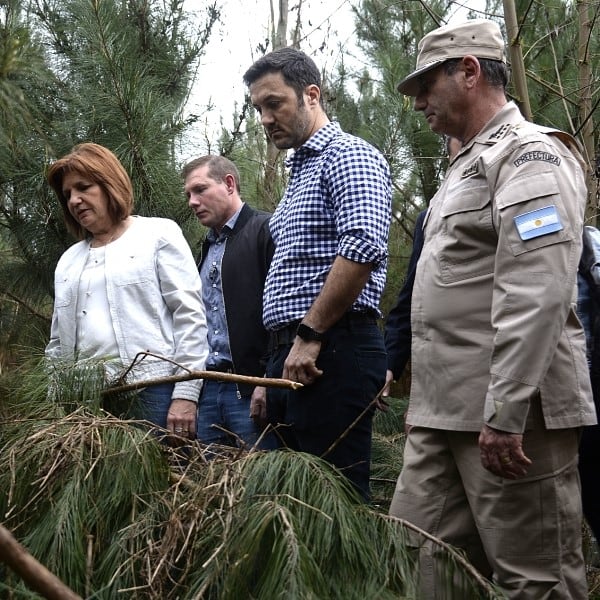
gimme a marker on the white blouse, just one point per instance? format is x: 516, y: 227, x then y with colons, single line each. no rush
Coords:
x: 95, y: 332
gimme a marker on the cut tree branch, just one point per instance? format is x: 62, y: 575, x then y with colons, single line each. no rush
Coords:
x: 33, y: 573
x: 212, y: 375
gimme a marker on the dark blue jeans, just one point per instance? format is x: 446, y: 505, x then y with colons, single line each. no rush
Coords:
x: 152, y: 404
x: 323, y: 414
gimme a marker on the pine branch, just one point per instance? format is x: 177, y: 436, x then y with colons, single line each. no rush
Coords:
x: 481, y: 581
x: 26, y: 306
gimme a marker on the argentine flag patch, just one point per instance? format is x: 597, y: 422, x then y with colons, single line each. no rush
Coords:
x: 538, y: 222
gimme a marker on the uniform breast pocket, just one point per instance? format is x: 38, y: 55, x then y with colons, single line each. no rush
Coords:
x: 468, y: 239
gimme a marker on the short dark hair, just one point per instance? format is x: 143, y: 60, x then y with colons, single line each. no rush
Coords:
x: 218, y: 168
x: 101, y: 166
x: 494, y: 71
x: 297, y: 68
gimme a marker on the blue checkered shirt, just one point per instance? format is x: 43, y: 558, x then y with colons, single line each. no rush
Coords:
x: 337, y: 203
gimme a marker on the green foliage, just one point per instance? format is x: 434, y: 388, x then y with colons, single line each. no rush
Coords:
x: 111, y: 511
x: 549, y: 39
x: 116, y: 73
x: 367, y: 103
x: 387, y: 451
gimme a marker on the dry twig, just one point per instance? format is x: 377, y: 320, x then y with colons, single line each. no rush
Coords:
x: 212, y: 375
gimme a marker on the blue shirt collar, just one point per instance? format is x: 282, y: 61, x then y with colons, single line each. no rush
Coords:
x: 213, y: 236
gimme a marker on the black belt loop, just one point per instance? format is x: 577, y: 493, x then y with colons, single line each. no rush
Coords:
x: 283, y: 336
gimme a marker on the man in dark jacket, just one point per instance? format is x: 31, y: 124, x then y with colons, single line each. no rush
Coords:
x: 235, y: 258
x: 397, y: 323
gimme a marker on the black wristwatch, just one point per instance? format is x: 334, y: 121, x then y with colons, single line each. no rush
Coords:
x: 308, y: 334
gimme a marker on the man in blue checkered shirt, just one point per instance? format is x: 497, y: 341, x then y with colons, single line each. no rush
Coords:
x: 327, y: 275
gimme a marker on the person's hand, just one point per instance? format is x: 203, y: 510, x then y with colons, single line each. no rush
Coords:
x: 381, y: 402
x: 181, y: 418
x: 301, y: 363
x: 502, y: 453
x: 258, y: 406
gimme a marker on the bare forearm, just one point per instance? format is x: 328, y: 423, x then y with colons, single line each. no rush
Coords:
x: 344, y: 283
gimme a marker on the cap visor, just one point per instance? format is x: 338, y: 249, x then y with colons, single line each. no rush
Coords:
x: 409, y: 86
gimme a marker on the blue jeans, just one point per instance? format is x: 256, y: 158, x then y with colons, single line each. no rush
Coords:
x: 152, y: 404
x: 224, y: 418
x: 353, y: 360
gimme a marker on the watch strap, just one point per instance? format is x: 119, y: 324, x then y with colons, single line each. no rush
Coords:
x: 308, y: 334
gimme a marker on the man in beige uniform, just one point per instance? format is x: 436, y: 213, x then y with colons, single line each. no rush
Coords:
x: 500, y: 384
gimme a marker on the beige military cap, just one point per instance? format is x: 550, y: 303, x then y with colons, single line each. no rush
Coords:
x: 479, y: 37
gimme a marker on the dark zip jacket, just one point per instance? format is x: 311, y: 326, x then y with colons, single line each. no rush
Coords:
x: 248, y: 252
x: 398, y: 331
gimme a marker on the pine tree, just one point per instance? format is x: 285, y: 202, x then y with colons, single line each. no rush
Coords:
x: 115, y: 72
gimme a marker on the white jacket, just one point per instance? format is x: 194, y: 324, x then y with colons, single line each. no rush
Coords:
x: 155, y: 299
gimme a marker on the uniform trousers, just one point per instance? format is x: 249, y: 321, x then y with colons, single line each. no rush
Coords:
x: 525, y: 534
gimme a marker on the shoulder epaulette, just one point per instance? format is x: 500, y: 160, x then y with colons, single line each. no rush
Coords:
x: 567, y: 139
x: 500, y: 132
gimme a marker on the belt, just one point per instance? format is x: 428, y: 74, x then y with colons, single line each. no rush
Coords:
x: 225, y: 367
x: 286, y: 335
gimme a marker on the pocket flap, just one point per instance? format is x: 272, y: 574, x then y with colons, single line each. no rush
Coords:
x: 465, y: 200
x: 522, y: 189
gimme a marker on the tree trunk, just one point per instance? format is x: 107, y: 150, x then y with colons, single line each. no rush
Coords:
x: 516, y: 58
x: 586, y: 121
x: 279, y: 41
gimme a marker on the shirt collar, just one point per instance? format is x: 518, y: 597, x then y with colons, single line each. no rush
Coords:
x: 499, y: 125
x: 213, y: 236
x: 318, y: 141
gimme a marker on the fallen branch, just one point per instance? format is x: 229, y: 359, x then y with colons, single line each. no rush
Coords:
x: 480, y: 580
x: 33, y: 573
x: 214, y: 375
